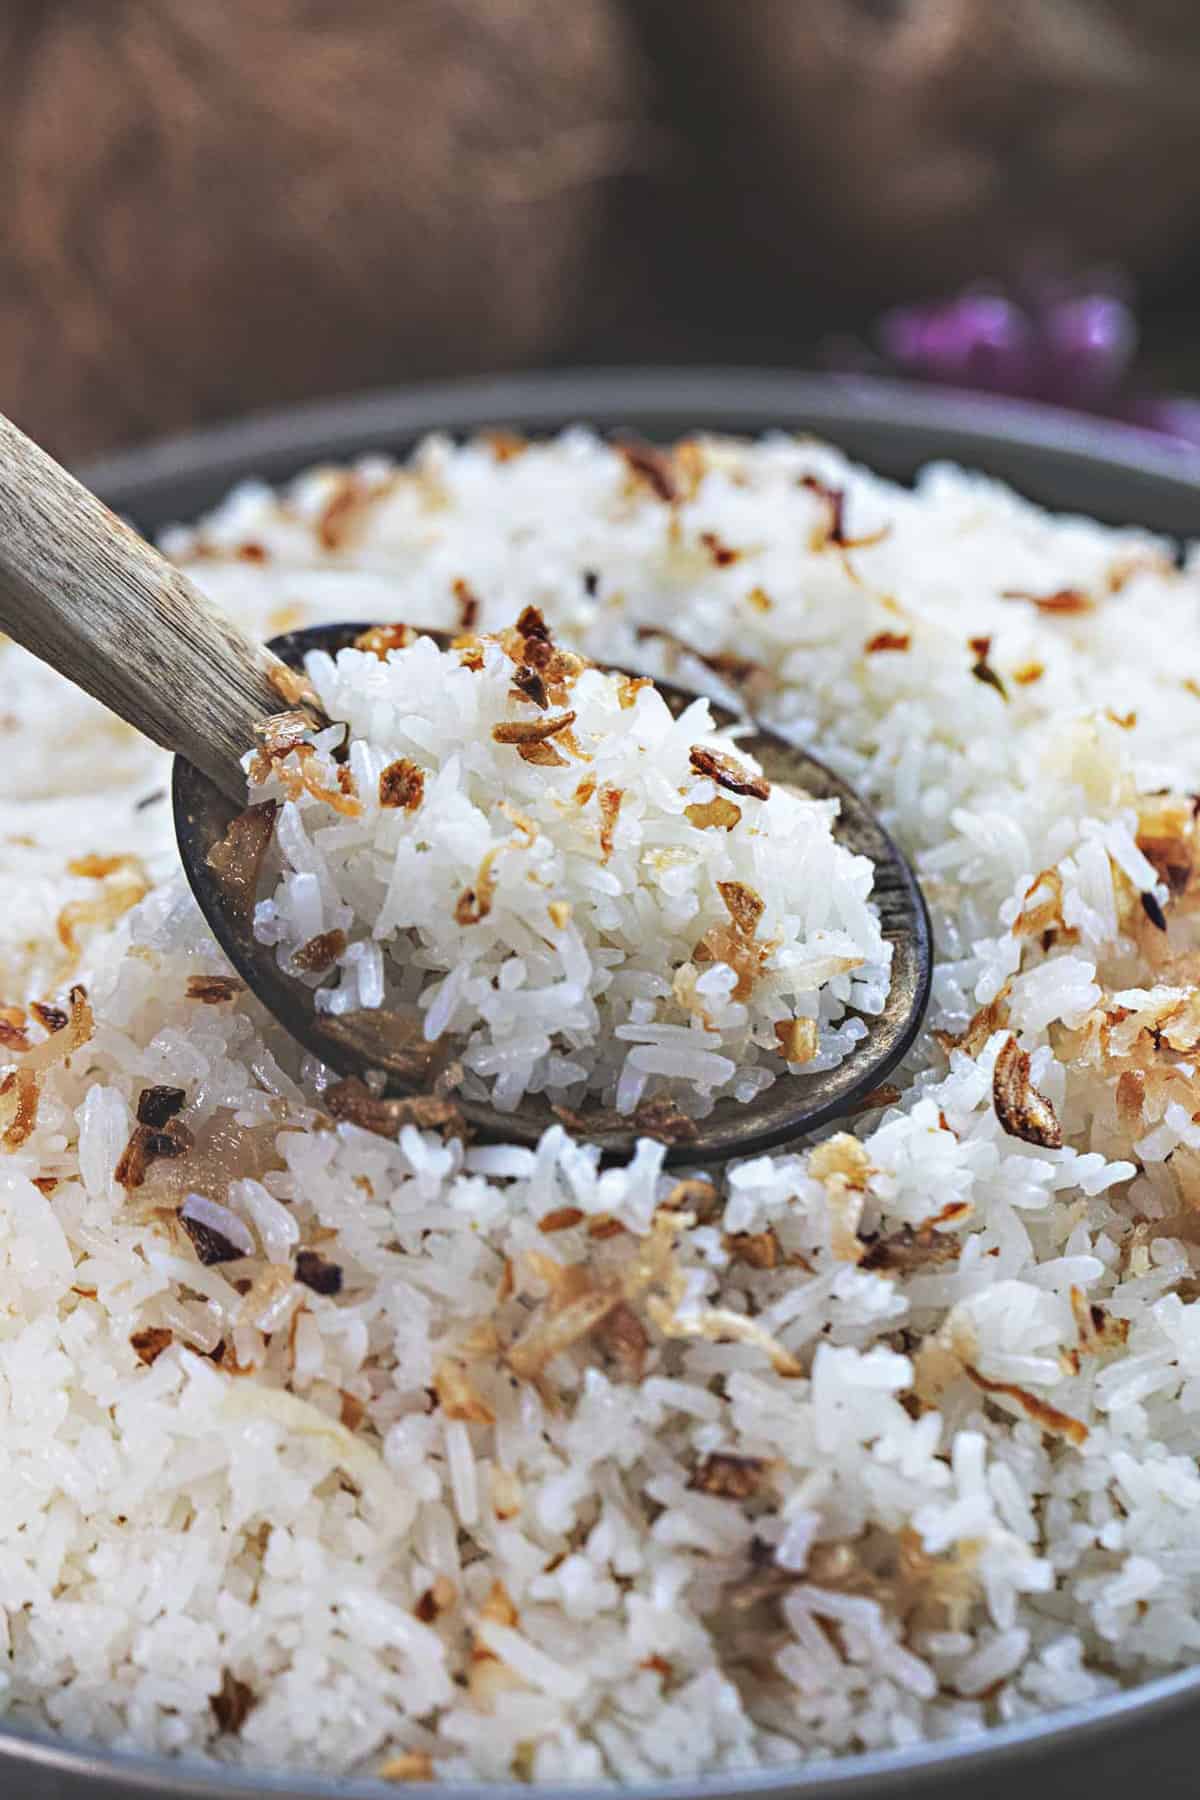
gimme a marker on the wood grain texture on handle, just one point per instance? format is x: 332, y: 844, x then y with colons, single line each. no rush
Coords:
x: 87, y: 595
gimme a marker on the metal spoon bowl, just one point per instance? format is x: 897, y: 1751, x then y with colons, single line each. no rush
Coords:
x: 377, y: 1040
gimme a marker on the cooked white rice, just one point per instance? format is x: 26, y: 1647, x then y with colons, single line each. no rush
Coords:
x: 584, y: 914
x: 891, y: 1439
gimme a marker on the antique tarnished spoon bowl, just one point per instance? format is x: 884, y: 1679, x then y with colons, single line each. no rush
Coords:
x: 84, y: 592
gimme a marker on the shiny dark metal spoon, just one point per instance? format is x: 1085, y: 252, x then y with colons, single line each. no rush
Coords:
x: 81, y: 590
x: 378, y: 1040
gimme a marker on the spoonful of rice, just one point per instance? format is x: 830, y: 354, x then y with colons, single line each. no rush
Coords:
x: 487, y: 883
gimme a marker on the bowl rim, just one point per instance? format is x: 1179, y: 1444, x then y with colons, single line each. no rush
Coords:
x: 346, y: 425
x: 276, y: 443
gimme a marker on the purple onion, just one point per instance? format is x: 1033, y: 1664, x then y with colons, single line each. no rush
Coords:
x: 1089, y: 343
x: 981, y: 340
x: 1073, y: 343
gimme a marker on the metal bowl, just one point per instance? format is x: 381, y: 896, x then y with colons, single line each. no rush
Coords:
x: 1146, y: 1736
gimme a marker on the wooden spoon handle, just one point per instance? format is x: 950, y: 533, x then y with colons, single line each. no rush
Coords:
x: 85, y: 593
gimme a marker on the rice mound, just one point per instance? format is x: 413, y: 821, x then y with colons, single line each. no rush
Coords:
x: 331, y: 1443
x: 534, y: 860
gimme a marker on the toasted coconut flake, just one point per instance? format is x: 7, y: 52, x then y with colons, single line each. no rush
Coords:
x: 1062, y: 600
x: 214, y: 990
x: 843, y: 1168
x: 22, y: 1087
x: 1058, y: 1424
x: 237, y: 859
x: 211, y: 1246
x: 798, y: 1039
x: 1131, y: 1099
x: 468, y: 604
x: 319, y: 953
x: 610, y: 806
x: 282, y: 733
x: 318, y: 1273
x: 529, y: 685
x: 744, y: 906
x: 728, y: 773
x: 66, y: 1039
x: 402, y: 785
x: 543, y: 756
x: 623, y: 1338
x: 722, y: 554
x: 661, y: 1118
x: 561, y: 1218
x: 557, y: 1330
x: 124, y: 884
x: 148, y: 1345
x: 1171, y: 858
x: 457, y: 1394
x: 232, y: 1703
x: 885, y: 1095
x: 658, y: 1118
x: 655, y: 469
x: 498, y: 1609
x: 351, y: 1410
x: 717, y: 814
x: 488, y: 1677
x: 605, y: 1226
x: 531, y: 628
x: 506, y: 1492
x: 926, y: 1593
x: 380, y: 639
x: 146, y: 1144
x: 97, y: 867
x: 1098, y: 1330
x: 354, y: 1102
x: 475, y: 903
x: 834, y: 531
x: 759, y: 1249
x: 729, y: 1477
x: 953, y: 1213
x: 13, y: 1035
x: 348, y: 500
x: 505, y: 445
x: 531, y: 731
x: 693, y: 1194
x: 436, y: 1600
x: 721, y: 1326
x: 725, y: 944
x: 409, y: 1765
x: 343, y: 798
x: 841, y: 1157
x: 887, y: 640
x: 50, y: 1018
x: 1041, y: 909
x: 560, y: 1281
x: 292, y: 685
x: 904, y: 1251
x: 986, y: 1022
x: 982, y: 669
x: 1022, y: 1111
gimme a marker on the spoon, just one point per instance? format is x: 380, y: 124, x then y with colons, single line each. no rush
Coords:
x: 86, y: 594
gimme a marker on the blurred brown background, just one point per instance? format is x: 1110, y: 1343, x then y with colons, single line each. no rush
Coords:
x: 216, y: 205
